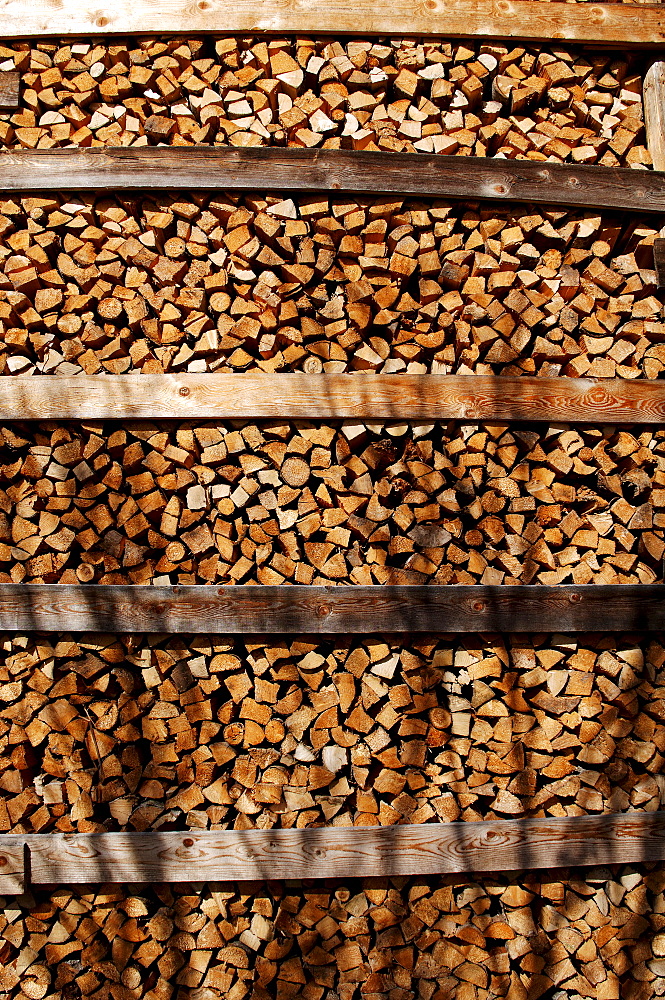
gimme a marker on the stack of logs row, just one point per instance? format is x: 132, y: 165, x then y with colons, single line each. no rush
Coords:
x: 398, y: 95
x: 156, y: 732
x: 116, y: 284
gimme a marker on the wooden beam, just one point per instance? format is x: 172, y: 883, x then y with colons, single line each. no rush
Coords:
x: 250, y: 610
x: 212, y: 168
x: 526, y: 20
x: 653, y: 97
x: 9, y: 91
x: 360, y: 396
x: 333, y: 852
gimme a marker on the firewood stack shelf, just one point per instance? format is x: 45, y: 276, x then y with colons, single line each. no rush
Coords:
x: 333, y: 547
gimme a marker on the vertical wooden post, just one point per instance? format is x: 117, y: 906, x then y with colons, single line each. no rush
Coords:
x: 654, y: 113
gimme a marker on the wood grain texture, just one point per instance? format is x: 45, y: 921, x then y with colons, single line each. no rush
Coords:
x: 332, y: 396
x: 653, y: 97
x: 12, y: 864
x: 213, y: 168
x: 9, y: 91
x: 343, y: 852
x: 249, y: 610
x: 604, y: 23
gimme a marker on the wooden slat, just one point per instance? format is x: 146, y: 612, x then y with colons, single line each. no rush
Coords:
x: 653, y: 96
x: 12, y: 864
x: 213, y: 168
x: 343, y: 852
x: 247, y: 610
x: 359, y: 396
x: 9, y: 91
x: 604, y: 23
x: 427, y: 849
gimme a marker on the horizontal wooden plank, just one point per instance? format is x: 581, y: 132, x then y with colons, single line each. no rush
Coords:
x: 360, y: 396
x: 603, y: 23
x: 248, y: 610
x: 212, y: 168
x: 9, y: 91
x: 344, y: 852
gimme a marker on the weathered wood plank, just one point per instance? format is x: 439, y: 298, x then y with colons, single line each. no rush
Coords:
x: 214, y: 168
x: 604, y: 23
x: 376, y: 396
x: 12, y: 864
x: 341, y: 852
x: 247, y: 610
x: 9, y: 91
x: 359, y: 396
x: 654, y: 112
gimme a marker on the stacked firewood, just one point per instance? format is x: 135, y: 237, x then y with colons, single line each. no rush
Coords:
x: 228, y: 283
x: 595, y: 932
x: 463, y: 98
x: 103, y: 732
x: 297, y: 503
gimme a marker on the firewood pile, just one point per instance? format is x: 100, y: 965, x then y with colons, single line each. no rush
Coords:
x: 156, y: 732
x: 298, y: 503
x: 198, y: 283
x: 470, y: 98
x: 104, y: 732
x: 593, y: 932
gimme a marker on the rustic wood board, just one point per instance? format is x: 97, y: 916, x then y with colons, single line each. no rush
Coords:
x: 332, y: 396
x: 424, y: 174
x: 9, y: 91
x: 250, y: 610
x: 604, y: 23
x: 342, y: 852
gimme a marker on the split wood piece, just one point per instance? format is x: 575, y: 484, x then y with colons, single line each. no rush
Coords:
x: 604, y: 23
x: 654, y: 113
x: 9, y: 91
x: 362, y: 396
x: 250, y: 610
x: 659, y: 261
x: 341, y: 852
x: 427, y: 174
